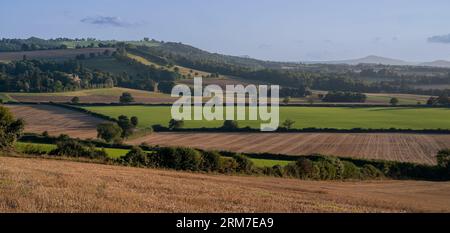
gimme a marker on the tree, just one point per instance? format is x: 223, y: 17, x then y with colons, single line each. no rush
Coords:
x: 443, y: 159
x: 10, y: 128
x: 166, y: 87
x: 230, y: 125
x: 287, y: 124
x: 127, y: 128
x: 394, y: 101
x: 134, y: 121
x: 75, y: 100
x: 126, y: 98
x: 286, y: 100
x: 109, y: 132
x: 175, y: 124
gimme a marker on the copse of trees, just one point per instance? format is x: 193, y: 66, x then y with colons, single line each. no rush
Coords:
x: 10, y: 129
x: 351, y: 97
x: 48, y: 76
x: 126, y: 98
x: 110, y: 132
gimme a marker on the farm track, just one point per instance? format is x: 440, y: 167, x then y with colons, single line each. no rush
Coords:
x: 417, y: 148
x: 39, y: 185
x: 56, y: 121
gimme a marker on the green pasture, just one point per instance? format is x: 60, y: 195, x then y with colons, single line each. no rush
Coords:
x: 304, y: 117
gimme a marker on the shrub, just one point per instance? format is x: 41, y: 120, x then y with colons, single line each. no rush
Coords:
x: 73, y: 148
x: 351, y: 171
x: 305, y: 168
x: 230, y: 125
x: 75, y: 100
x: 330, y: 168
x: 277, y: 171
x: 211, y: 161
x: 137, y: 157
x: 228, y: 165
x: 179, y: 158
x: 369, y: 171
x: 126, y: 98
x: 244, y: 163
x: 176, y: 124
x: 109, y: 132
x: 292, y: 170
x: 10, y: 128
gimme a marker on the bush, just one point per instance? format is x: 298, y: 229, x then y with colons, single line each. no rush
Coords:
x: 10, y: 128
x: 370, y: 172
x: 330, y: 168
x: 138, y: 158
x: 126, y: 98
x: 179, y: 158
x: 244, y: 163
x: 211, y: 161
x: 230, y: 125
x: 75, y: 100
x: 229, y: 165
x: 109, y: 132
x: 176, y: 124
x: 73, y: 148
x: 351, y: 171
x: 305, y: 168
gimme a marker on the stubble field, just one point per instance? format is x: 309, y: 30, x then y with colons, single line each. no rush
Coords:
x: 35, y: 185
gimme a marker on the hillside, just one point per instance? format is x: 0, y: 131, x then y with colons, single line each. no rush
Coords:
x: 35, y: 185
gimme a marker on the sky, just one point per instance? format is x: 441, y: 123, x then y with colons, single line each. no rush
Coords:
x: 281, y: 30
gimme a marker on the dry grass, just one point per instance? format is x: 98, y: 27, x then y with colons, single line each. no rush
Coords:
x: 417, y: 148
x: 38, y: 185
x: 56, y: 121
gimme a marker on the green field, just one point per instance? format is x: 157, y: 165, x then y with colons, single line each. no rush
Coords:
x: 304, y: 117
x: 22, y: 147
x: 117, y: 153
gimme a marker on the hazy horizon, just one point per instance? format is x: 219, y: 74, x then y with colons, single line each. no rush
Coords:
x: 415, y: 31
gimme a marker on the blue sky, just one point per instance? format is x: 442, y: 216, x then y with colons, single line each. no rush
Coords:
x: 282, y: 30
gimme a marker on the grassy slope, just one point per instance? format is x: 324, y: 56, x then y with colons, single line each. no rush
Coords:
x: 320, y: 117
x: 182, y: 70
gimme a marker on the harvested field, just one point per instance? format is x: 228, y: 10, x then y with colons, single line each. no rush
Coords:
x: 37, y: 185
x: 56, y: 54
x: 56, y: 121
x: 104, y: 95
x: 417, y: 148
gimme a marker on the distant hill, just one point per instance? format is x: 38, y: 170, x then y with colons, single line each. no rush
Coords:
x: 369, y: 60
x: 437, y: 63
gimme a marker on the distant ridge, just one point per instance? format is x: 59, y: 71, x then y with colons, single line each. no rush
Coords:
x: 372, y: 59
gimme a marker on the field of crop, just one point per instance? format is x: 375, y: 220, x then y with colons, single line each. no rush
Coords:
x: 104, y: 95
x: 416, y: 148
x: 56, y: 121
x: 35, y: 185
x: 58, y: 54
x: 304, y: 117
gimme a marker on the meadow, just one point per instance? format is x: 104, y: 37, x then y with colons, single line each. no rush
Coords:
x: 320, y: 117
